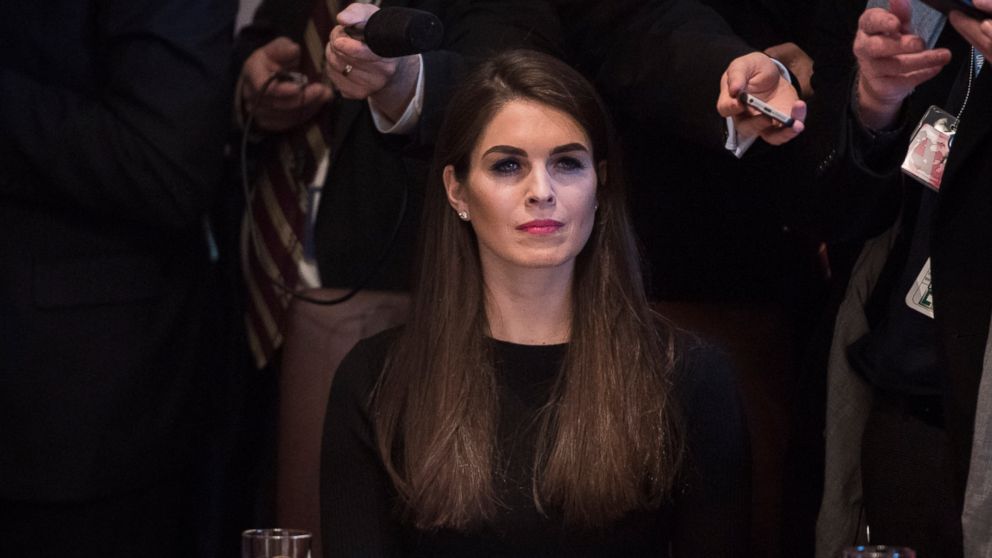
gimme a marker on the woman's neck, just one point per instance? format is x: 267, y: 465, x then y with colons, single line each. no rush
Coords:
x: 530, y: 306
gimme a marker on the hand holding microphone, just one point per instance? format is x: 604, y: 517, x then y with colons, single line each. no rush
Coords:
x: 383, y: 64
x: 394, y: 32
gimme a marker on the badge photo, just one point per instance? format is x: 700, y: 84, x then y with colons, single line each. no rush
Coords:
x: 930, y: 146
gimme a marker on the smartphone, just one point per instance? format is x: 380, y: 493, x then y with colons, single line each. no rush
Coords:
x: 766, y: 109
x: 291, y: 77
x: 965, y: 6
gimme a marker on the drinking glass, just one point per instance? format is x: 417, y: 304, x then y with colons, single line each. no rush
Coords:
x: 275, y: 543
x: 879, y: 551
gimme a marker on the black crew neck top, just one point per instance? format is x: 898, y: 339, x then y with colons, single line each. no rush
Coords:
x: 707, y: 515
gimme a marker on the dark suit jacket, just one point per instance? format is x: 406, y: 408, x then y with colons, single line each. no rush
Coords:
x: 112, y: 119
x: 375, y: 183
x: 962, y: 266
x: 961, y: 246
x: 961, y: 242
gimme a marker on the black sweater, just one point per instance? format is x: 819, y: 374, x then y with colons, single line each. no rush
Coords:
x: 707, y: 515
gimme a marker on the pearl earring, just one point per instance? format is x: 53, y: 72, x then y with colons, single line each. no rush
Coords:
x: 463, y: 215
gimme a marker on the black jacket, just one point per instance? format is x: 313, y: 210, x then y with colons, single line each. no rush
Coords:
x: 112, y: 122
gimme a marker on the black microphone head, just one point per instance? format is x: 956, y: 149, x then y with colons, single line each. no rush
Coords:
x: 393, y: 32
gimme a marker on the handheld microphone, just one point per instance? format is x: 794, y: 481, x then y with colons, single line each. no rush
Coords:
x: 394, y: 32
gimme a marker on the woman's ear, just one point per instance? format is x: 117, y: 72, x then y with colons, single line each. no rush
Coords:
x: 456, y: 193
x: 601, y: 172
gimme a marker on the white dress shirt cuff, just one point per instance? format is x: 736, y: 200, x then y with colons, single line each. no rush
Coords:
x: 408, y: 120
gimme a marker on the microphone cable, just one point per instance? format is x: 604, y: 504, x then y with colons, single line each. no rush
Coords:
x: 253, y: 242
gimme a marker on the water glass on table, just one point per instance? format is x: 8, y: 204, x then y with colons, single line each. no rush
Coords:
x: 275, y: 543
x: 879, y: 551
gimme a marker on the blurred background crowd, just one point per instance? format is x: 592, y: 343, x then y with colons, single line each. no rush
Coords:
x: 204, y: 206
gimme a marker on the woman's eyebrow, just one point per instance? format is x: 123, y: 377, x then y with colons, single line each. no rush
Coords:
x: 569, y: 147
x: 506, y: 149
x: 510, y: 150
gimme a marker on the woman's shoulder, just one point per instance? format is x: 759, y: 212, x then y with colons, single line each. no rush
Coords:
x: 697, y: 359
x: 380, y: 343
x: 704, y: 374
x: 697, y: 356
x: 361, y: 367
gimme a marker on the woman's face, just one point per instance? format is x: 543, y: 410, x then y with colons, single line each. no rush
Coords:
x: 531, y: 189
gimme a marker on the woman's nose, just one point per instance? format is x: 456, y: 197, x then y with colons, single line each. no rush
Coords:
x: 541, y: 190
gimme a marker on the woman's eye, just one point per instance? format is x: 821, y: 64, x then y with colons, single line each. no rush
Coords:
x: 570, y: 164
x: 506, y: 166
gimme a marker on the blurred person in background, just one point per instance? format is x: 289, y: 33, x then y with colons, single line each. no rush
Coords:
x: 904, y: 404
x: 112, y: 125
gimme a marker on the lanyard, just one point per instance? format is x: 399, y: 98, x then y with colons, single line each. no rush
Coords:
x: 977, y: 61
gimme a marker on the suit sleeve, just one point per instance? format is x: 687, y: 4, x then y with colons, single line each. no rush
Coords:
x: 838, y: 183
x: 144, y: 145
x: 473, y: 30
x: 663, y: 64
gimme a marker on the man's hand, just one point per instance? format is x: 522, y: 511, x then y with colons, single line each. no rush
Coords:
x: 892, y: 61
x: 798, y: 62
x: 285, y: 104
x: 358, y: 73
x: 978, y: 32
x: 756, y: 74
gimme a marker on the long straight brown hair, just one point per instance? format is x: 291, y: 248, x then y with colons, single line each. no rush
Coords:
x: 609, y: 440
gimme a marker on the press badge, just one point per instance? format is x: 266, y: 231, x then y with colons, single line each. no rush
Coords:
x: 930, y: 146
x: 920, y: 295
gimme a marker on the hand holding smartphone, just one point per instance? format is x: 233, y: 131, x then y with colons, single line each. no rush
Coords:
x: 964, y: 6
x: 766, y: 109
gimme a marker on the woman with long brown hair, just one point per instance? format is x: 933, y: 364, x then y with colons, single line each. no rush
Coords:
x: 534, y: 404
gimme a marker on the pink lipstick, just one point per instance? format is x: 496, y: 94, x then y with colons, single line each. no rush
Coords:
x: 541, y: 226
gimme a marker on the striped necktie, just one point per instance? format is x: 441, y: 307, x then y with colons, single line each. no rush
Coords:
x: 279, y: 203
